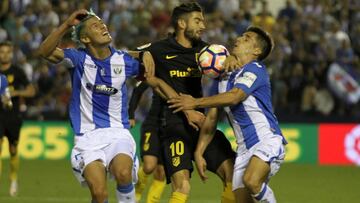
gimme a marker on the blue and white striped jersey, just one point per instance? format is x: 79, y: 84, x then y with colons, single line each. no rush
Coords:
x: 252, y: 119
x: 99, y: 95
x: 3, y: 84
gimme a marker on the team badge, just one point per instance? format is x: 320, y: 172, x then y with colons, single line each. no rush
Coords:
x: 117, y: 70
x: 10, y: 79
x: 176, y: 161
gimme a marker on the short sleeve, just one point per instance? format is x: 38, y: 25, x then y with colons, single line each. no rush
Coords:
x: 132, y: 66
x: 72, y: 57
x: 3, y: 84
x: 251, y: 78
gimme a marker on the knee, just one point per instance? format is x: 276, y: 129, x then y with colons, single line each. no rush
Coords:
x: 123, y: 176
x: 183, y: 187
x: 149, y: 167
x: 99, y: 193
x: 252, y: 183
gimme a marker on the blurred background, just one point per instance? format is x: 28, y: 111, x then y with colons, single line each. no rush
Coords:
x: 314, y: 69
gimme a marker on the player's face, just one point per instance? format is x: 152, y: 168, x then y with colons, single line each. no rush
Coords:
x: 6, y: 54
x: 97, y: 31
x: 195, y: 26
x: 245, y: 44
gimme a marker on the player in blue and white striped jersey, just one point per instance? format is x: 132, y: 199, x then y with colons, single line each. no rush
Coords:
x: 246, y: 96
x: 5, y: 92
x: 98, y: 106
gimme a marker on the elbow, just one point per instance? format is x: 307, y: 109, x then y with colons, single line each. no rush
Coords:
x: 41, y: 52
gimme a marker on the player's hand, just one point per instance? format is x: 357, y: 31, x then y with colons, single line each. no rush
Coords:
x: 6, y: 101
x: 195, y: 118
x: 149, y: 64
x: 231, y: 64
x: 132, y: 123
x: 76, y: 17
x: 14, y: 93
x: 182, y: 102
x: 200, y: 163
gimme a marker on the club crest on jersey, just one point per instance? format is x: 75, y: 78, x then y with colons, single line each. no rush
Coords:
x: 176, y: 161
x: 102, y: 89
x: 117, y: 70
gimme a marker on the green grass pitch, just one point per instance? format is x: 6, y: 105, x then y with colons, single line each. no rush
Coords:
x: 52, y: 181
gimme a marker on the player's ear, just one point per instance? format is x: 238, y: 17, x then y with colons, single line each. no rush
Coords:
x: 257, y: 51
x: 84, y: 39
x: 182, y: 23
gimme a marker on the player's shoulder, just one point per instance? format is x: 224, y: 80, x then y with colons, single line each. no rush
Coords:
x: 255, y: 67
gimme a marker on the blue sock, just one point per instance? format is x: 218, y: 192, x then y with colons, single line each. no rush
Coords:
x: 125, y: 193
x: 265, y: 194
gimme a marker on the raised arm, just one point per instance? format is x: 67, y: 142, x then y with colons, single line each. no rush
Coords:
x: 206, y: 135
x: 48, y: 48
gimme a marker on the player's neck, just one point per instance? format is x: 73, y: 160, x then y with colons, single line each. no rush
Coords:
x: 5, y: 66
x: 99, y: 52
x: 183, y: 41
x: 245, y: 59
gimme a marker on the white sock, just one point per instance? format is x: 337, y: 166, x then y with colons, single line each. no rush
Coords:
x: 266, y: 195
x: 125, y: 193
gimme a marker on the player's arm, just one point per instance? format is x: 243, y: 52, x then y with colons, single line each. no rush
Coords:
x: 147, y: 60
x: 134, y: 101
x: 230, y: 98
x: 29, y: 91
x: 48, y: 48
x: 206, y: 135
x: 195, y: 118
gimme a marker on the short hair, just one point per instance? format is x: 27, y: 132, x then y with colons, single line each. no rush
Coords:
x: 6, y: 43
x: 182, y: 9
x: 264, y: 40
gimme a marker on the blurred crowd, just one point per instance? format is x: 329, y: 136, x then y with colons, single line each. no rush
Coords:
x: 311, y: 37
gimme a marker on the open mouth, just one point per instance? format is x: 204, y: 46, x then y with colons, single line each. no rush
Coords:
x: 105, y: 33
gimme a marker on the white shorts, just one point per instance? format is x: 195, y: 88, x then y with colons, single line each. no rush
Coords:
x: 270, y: 150
x: 102, y: 144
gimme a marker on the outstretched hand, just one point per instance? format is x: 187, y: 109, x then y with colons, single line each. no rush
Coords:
x: 182, y: 102
x: 195, y: 118
x: 76, y: 17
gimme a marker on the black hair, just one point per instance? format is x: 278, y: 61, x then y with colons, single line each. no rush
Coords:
x: 264, y: 41
x: 184, y: 8
x: 6, y: 43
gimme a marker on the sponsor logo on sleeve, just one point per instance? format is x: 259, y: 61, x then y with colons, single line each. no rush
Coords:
x: 248, y: 79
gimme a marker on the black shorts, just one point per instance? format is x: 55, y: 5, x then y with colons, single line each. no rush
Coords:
x: 10, y: 126
x: 179, y: 144
x: 150, y: 142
